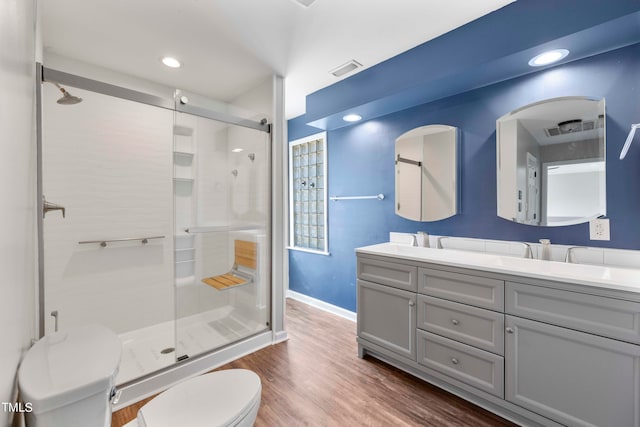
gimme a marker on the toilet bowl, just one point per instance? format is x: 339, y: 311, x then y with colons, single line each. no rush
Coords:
x: 222, y: 398
x: 69, y: 379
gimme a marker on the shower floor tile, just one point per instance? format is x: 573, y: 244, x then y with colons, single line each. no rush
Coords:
x: 142, y: 349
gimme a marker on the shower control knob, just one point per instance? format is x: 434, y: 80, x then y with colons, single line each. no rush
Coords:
x: 184, y: 100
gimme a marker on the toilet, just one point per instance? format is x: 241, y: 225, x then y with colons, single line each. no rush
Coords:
x: 69, y: 378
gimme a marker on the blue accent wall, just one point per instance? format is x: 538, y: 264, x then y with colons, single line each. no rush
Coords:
x: 361, y: 162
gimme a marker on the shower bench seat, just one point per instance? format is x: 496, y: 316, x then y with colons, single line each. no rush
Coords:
x: 245, y: 255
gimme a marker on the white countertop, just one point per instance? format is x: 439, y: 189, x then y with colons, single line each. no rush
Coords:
x: 621, y: 279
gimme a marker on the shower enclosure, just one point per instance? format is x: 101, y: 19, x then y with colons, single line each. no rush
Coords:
x: 156, y: 221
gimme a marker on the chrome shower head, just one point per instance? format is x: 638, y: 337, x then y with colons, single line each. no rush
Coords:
x: 67, y: 98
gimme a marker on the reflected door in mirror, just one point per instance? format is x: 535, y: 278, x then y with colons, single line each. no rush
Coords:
x: 427, y: 173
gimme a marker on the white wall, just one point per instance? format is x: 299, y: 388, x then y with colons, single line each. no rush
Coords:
x: 17, y: 189
x: 507, y: 154
x: 571, y: 196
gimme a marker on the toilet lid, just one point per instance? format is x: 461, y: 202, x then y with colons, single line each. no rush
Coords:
x: 219, y: 398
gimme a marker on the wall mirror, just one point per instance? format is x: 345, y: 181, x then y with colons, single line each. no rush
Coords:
x: 551, y: 162
x: 427, y: 173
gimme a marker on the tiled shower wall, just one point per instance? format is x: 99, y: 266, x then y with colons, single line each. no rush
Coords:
x: 108, y: 161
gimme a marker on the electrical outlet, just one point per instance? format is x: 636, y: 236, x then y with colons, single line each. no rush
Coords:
x: 599, y: 229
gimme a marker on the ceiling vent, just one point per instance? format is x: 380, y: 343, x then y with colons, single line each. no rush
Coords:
x: 305, y: 3
x: 571, y: 126
x: 346, y: 68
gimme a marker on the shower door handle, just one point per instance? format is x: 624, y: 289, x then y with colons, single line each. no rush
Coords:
x: 48, y: 206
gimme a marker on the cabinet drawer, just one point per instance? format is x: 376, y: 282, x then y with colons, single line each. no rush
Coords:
x: 608, y: 317
x: 473, y: 290
x: 470, y: 365
x: 399, y: 276
x: 471, y: 325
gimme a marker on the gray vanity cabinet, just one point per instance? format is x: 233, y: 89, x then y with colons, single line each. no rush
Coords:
x: 538, y: 352
x: 387, y: 317
x: 575, y: 378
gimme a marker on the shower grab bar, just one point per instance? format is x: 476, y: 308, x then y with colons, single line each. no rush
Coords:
x: 221, y: 228
x: 377, y: 196
x: 103, y: 243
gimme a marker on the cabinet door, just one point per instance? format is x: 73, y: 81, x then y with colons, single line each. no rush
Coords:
x: 387, y: 317
x: 572, y: 377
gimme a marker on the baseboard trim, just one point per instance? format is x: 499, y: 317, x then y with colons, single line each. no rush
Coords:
x: 325, y: 306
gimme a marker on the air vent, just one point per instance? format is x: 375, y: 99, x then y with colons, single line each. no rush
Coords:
x: 346, y: 68
x: 571, y: 126
x: 552, y: 132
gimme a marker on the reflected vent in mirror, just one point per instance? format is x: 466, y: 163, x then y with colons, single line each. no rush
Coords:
x: 571, y: 126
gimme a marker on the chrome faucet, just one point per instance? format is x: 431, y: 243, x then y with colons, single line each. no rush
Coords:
x: 439, y: 241
x: 528, y: 253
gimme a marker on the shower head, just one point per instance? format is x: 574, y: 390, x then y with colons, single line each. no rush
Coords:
x: 67, y: 98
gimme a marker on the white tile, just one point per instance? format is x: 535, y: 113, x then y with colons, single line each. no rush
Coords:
x: 402, y: 238
x: 496, y: 247
x: 586, y: 255
x: 622, y: 258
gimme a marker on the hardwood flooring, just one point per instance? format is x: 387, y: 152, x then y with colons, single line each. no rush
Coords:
x: 317, y: 379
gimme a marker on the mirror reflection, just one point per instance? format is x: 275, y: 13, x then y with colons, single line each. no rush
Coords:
x: 551, y: 162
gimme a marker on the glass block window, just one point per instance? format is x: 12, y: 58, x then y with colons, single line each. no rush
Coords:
x: 308, y: 193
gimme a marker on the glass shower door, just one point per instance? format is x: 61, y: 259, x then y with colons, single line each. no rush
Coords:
x: 108, y: 162
x: 222, y: 244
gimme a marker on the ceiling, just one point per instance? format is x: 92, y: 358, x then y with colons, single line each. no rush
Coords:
x: 230, y: 46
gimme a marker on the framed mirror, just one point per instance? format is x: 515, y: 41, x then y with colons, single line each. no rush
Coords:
x: 551, y: 162
x: 427, y: 173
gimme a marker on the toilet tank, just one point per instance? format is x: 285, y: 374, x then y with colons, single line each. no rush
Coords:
x: 68, y: 377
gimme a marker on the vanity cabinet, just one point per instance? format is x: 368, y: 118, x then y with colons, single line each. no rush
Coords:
x: 561, y: 358
x: 537, y: 352
x: 572, y: 377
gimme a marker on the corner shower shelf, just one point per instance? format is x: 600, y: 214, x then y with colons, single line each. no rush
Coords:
x: 185, y: 281
x: 184, y: 154
x: 189, y: 180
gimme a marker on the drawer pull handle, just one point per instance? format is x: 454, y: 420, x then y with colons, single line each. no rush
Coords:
x: 510, y: 330
x: 411, y: 303
x: 454, y: 361
x: 455, y: 322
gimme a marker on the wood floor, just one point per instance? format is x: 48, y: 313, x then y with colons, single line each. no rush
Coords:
x: 317, y: 379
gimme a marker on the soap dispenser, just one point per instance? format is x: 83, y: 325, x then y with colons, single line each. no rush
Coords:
x: 545, y: 249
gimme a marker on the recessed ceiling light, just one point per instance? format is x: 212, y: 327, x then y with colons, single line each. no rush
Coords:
x: 171, y: 62
x: 549, y: 57
x: 352, y: 118
x: 237, y: 150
